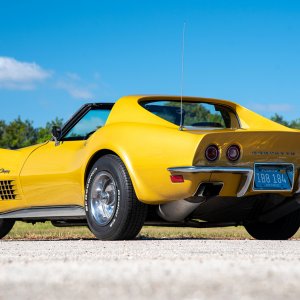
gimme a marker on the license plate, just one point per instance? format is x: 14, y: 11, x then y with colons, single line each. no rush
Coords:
x: 273, y: 177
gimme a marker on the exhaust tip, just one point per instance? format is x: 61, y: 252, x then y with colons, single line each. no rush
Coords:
x: 209, y: 189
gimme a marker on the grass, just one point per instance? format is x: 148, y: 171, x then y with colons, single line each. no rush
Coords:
x: 195, y: 233
x: 46, y: 231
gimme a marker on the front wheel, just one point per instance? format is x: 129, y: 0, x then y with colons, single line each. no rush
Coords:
x: 112, y: 208
x: 282, y: 229
x: 6, y: 226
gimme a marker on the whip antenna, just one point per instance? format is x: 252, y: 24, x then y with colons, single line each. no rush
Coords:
x: 182, y: 73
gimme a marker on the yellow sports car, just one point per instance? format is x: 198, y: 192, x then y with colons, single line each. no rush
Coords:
x: 157, y: 160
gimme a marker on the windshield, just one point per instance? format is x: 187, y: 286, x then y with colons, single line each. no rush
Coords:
x: 195, y: 114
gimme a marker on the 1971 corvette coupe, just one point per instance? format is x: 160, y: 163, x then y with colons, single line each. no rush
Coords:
x: 157, y: 160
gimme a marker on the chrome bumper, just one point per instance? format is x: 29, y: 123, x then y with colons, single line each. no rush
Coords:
x: 232, y: 170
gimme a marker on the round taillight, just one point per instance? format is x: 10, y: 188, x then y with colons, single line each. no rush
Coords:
x: 233, y: 153
x: 212, y: 153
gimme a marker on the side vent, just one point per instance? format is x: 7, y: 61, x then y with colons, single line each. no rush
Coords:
x: 8, y: 190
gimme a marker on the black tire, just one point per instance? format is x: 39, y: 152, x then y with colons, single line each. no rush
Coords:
x: 5, y: 227
x: 124, y: 214
x: 282, y: 229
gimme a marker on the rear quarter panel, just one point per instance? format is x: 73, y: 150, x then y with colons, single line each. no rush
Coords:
x: 147, y: 151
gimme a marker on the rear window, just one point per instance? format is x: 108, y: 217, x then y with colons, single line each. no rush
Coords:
x: 195, y: 114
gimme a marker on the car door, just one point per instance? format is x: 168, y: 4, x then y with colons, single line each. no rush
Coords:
x: 52, y: 175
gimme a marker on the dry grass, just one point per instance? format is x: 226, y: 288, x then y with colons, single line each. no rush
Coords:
x: 195, y: 233
x: 45, y: 231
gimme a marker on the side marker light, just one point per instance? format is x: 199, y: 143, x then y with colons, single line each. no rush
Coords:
x: 177, y: 178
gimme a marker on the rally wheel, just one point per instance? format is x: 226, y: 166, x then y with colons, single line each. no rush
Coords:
x: 112, y: 208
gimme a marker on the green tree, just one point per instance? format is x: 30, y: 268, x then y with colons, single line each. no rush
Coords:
x: 292, y: 124
x: 279, y: 119
x: 2, y: 128
x: 17, y: 134
x: 295, y: 124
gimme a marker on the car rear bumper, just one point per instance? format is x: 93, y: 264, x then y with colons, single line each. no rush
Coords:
x: 247, y: 172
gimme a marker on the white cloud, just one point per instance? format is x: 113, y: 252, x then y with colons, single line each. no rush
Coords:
x: 73, y: 76
x: 20, y: 75
x: 76, y: 87
x: 272, y: 108
x: 74, y: 90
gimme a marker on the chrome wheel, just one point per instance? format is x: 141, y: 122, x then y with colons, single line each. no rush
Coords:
x: 112, y: 209
x: 103, y: 198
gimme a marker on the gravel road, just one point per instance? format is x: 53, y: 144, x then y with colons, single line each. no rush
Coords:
x: 150, y: 269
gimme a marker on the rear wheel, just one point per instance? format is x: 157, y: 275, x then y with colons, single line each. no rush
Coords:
x: 5, y: 227
x: 281, y: 229
x: 112, y: 208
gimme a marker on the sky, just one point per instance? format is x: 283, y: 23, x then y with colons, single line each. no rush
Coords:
x: 57, y: 55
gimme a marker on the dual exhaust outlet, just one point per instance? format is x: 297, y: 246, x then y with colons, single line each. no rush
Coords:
x: 177, y: 211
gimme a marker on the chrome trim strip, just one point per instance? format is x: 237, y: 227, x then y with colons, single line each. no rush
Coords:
x: 45, y: 212
x: 233, y: 170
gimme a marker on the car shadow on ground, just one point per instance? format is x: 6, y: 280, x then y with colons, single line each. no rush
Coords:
x: 138, y: 239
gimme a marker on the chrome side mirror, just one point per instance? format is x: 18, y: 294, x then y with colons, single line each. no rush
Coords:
x: 56, y: 134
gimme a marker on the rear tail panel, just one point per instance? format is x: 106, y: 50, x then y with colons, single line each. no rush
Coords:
x: 268, y: 147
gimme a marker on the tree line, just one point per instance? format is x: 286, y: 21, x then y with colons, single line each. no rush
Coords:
x: 21, y: 133
x: 292, y: 124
